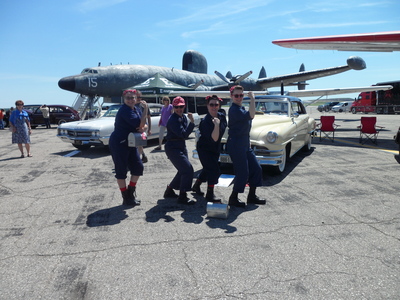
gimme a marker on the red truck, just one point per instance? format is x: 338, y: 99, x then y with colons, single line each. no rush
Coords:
x: 381, y: 102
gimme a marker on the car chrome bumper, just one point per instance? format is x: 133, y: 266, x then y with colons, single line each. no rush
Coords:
x: 274, y: 157
x: 95, y: 141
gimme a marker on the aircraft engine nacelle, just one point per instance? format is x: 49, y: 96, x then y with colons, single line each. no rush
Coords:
x: 356, y: 63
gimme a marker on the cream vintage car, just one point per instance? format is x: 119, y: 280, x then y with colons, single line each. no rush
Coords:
x: 279, y: 130
x: 96, y: 132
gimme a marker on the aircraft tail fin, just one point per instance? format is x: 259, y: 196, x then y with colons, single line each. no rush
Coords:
x: 194, y: 61
x: 263, y: 73
x: 301, y: 85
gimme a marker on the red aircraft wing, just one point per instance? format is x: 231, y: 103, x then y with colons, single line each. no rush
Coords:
x: 374, y: 42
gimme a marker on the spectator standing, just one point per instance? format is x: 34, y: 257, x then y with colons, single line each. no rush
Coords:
x: 21, y: 128
x: 46, y: 115
x: 1, y: 118
x: 148, y: 122
x: 166, y: 112
x: 7, y: 117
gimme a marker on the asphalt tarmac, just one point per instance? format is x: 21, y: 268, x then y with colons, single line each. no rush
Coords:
x: 330, y: 228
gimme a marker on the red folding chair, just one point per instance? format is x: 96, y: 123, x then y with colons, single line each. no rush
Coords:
x: 369, y: 130
x: 327, y: 127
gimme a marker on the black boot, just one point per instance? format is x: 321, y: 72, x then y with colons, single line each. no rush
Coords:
x: 182, y: 198
x: 234, y: 200
x: 132, y: 194
x: 170, y: 193
x: 210, y: 196
x: 127, y: 200
x: 253, y: 198
x: 196, y: 188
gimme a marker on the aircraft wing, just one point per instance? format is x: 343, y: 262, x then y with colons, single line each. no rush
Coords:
x: 353, y: 62
x: 302, y: 93
x: 374, y: 42
x: 203, y: 94
x: 326, y: 92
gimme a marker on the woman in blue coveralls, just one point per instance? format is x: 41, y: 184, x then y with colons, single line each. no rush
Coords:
x: 179, y: 129
x: 212, y: 128
x: 128, y: 119
x: 246, y: 167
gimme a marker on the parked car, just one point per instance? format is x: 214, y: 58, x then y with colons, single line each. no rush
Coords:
x: 58, y: 114
x: 342, y: 107
x: 96, y: 132
x: 280, y: 128
x: 327, y: 106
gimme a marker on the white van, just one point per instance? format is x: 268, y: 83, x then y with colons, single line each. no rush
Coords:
x: 342, y: 106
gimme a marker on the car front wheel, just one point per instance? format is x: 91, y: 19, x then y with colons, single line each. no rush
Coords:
x: 281, y: 167
x: 307, y: 145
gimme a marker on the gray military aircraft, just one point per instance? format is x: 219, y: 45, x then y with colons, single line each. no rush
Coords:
x: 109, y: 81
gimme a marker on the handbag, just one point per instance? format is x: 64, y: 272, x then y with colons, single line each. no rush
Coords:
x: 136, y: 139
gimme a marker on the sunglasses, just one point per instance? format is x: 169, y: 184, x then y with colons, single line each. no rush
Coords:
x: 20, y: 105
x: 179, y: 106
x: 129, y: 98
x: 238, y: 95
x: 213, y: 104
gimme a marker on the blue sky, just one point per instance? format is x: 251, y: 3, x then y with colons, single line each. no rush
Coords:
x: 45, y: 40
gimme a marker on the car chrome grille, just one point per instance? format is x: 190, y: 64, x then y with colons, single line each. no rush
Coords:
x: 79, y: 133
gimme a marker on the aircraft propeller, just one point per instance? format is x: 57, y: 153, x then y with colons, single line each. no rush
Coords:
x: 235, y: 79
x: 195, y: 86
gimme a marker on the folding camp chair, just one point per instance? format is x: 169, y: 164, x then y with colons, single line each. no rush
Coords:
x: 327, y: 127
x: 368, y: 130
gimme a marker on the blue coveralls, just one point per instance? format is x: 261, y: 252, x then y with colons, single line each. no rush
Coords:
x: 127, y: 120
x: 245, y: 164
x: 179, y: 129
x: 209, y: 150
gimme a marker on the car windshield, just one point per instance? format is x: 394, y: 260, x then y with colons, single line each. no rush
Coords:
x: 271, y: 107
x: 155, y: 110
x: 112, y: 111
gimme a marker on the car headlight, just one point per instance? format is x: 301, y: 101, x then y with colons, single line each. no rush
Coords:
x: 272, y: 136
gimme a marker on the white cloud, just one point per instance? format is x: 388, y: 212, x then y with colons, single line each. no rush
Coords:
x: 90, y: 5
x: 216, y: 11
x: 213, y: 28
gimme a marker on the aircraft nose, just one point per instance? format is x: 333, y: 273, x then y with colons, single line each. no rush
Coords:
x: 67, y: 83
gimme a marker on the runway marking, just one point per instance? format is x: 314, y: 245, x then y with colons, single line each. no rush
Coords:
x: 367, y: 146
x: 72, y: 153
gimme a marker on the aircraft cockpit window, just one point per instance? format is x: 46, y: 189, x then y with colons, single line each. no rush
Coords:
x: 85, y: 71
